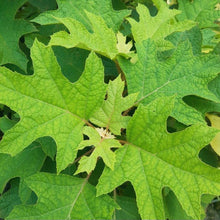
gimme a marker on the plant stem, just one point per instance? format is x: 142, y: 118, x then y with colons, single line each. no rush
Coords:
x: 87, y: 153
x: 120, y: 70
x: 123, y: 141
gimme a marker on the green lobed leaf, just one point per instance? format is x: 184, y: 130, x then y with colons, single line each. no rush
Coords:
x: 173, y: 208
x: 154, y: 158
x: 53, y: 110
x: 22, y: 165
x: 64, y: 197
x: 50, y: 105
x: 76, y: 10
x: 202, y: 105
x: 110, y: 113
x: 11, y: 30
x: 128, y: 208
x: 102, y: 142
x: 214, y: 85
x: 102, y: 39
x: 210, y: 39
x: 71, y: 61
x: 48, y: 146
x: 44, y: 5
x: 9, y: 199
x: 181, y: 74
x: 203, y: 12
x: 26, y: 195
x: 194, y: 36
x: 6, y: 123
x: 159, y: 26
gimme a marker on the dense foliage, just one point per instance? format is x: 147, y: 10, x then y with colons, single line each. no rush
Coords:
x: 109, y: 109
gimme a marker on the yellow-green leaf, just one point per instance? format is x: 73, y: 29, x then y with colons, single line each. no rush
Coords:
x: 102, y: 143
x: 215, y: 122
x: 50, y: 105
x: 154, y: 158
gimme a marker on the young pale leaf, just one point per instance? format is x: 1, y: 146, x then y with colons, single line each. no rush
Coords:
x: 102, y: 39
x: 102, y: 149
x: 154, y: 158
x: 22, y: 165
x: 76, y: 10
x: 49, y: 105
x: 11, y: 30
x: 159, y: 26
x: 110, y: 114
x: 202, y: 12
x: 181, y: 74
x: 123, y: 46
x: 64, y: 197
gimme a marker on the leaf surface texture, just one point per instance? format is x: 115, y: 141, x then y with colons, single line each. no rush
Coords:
x: 11, y: 30
x: 181, y: 74
x: 49, y: 105
x: 154, y: 158
x: 79, y: 202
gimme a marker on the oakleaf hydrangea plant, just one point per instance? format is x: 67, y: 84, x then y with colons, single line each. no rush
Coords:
x: 109, y: 109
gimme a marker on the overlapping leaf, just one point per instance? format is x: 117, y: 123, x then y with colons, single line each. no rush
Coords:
x: 182, y: 74
x: 9, y: 199
x: 128, y: 208
x: 110, y: 114
x: 154, y: 158
x: 6, y: 123
x: 204, y: 105
x: 102, y: 148
x: 102, y: 39
x: 64, y: 197
x: 173, y: 208
x: 49, y: 105
x: 194, y: 36
x: 164, y: 168
x: 210, y: 39
x: 43, y: 5
x: 11, y: 30
x: 159, y: 26
x: 202, y: 12
x: 76, y: 10
x: 22, y: 165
